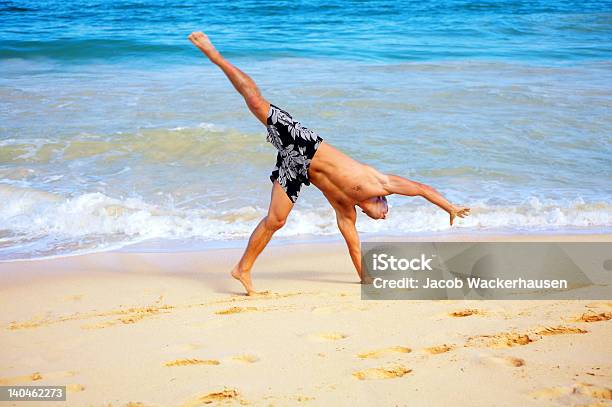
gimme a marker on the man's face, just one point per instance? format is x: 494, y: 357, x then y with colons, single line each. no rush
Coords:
x: 375, y: 208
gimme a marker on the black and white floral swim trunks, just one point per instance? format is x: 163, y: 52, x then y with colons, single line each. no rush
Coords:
x: 296, y: 146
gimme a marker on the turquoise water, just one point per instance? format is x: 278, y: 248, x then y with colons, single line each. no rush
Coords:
x: 115, y: 130
x: 377, y: 31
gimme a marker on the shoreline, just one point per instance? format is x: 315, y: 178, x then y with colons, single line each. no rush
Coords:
x: 194, y: 245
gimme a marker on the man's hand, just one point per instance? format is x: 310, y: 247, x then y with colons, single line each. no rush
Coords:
x: 200, y: 40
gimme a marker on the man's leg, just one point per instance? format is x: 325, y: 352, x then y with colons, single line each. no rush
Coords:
x: 398, y: 185
x: 280, y: 206
x: 241, y: 81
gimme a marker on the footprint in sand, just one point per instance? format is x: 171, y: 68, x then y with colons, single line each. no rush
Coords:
x: 511, y: 339
x: 224, y: 396
x: 35, y: 377
x: 75, y: 388
x: 34, y: 322
x: 551, y: 393
x: 436, y: 350
x: 303, y: 399
x: 192, y: 362
x: 502, y: 340
x: 572, y: 392
x: 560, y: 330
x: 375, y: 354
x: 127, y: 316
x: 21, y: 379
x: 328, y: 336
x: 77, y: 297
x: 505, y: 360
x: 376, y: 373
x: 121, y: 316
x: 595, y: 317
x: 265, y: 295
x: 510, y: 361
x: 245, y: 358
x: 602, y: 304
x: 465, y: 313
x: 236, y: 310
x: 604, y: 393
x: 129, y: 319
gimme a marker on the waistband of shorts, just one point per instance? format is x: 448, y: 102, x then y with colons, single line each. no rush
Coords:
x: 272, y: 107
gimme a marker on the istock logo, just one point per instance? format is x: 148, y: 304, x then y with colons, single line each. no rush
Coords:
x: 384, y: 262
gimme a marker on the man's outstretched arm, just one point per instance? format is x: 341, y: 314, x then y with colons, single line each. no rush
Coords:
x: 346, y: 223
x: 403, y: 186
x: 241, y: 81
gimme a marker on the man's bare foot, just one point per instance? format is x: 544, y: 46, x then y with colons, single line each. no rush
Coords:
x: 245, y: 278
x: 458, y: 211
x: 366, y: 279
x: 200, y: 40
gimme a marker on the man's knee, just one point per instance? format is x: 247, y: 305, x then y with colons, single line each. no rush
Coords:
x: 274, y: 223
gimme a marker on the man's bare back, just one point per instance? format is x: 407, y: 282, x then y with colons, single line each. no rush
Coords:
x: 345, y: 182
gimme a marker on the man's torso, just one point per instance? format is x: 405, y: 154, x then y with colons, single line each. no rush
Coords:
x: 343, y: 180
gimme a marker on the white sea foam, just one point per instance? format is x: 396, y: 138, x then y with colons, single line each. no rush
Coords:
x: 52, y: 223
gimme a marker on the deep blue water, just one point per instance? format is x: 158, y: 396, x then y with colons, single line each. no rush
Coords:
x: 155, y: 31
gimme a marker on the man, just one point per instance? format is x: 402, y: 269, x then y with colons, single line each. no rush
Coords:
x: 345, y: 182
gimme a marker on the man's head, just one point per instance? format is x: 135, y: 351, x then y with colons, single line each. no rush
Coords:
x: 375, y: 208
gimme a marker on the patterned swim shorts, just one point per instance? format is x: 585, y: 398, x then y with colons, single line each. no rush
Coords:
x: 296, y: 146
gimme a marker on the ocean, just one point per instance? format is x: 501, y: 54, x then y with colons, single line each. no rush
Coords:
x: 115, y: 130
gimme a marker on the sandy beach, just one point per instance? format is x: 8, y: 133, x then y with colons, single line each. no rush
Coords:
x: 171, y: 329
